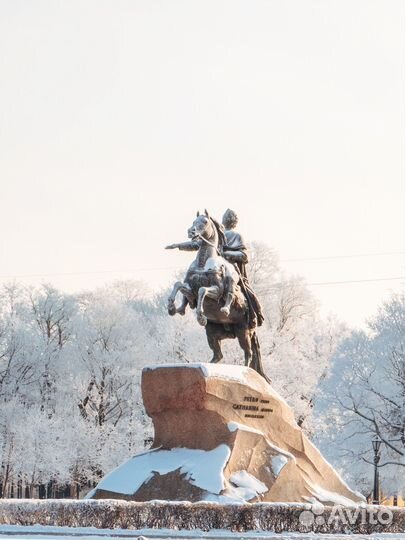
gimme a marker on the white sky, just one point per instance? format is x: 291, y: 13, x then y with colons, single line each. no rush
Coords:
x: 118, y: 119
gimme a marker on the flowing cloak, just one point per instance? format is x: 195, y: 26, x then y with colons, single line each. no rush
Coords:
x: 234, y: 242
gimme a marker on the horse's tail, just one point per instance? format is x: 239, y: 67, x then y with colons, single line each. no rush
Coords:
x: 257, y: 364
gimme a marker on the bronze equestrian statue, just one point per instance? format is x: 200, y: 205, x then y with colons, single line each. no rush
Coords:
x: 216, y: 285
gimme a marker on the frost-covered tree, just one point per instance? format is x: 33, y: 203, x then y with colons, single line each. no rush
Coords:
x: 70, y: 368
x: 296, y: 344
x: 16, y: 370
x: 365, y: 397
x: 35, y: 328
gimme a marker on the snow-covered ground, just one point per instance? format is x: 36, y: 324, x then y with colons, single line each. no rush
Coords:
x: 38, y: 532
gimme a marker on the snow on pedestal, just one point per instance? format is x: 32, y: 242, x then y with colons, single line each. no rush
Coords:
x: 222, y: 434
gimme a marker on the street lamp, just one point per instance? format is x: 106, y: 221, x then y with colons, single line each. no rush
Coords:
x: 376, y: 447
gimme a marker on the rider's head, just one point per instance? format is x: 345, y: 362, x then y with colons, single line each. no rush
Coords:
x: 229, y: 219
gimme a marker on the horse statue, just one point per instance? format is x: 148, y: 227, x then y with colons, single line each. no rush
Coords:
x: 212, y: 286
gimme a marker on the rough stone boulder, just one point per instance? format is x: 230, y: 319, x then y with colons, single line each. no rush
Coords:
x: 222, y: 434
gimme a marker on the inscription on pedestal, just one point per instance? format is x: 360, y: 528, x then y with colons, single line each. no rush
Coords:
x: 255, y: 411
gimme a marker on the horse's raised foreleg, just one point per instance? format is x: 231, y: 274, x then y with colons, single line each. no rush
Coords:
x: 171, y: 305
x: 187, y: 298
x: 212, y: 292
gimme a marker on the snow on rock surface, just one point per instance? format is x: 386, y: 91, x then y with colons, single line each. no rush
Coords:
x: 277, y: 463
x: 233, y: 426
x: 328, y: 497
x: 224, y: 371
x: 222, y: 434
x: 201, y: 467
x: 247, y: 486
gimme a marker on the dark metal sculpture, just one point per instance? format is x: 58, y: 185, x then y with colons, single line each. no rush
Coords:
x: 216, y: 285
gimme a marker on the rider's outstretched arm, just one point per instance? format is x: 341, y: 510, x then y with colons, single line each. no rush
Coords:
x: 185, y: 246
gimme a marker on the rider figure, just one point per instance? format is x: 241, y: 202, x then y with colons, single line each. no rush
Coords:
x: 235, y: 252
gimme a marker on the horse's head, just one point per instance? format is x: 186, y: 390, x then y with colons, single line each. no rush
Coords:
x: 202, y: 227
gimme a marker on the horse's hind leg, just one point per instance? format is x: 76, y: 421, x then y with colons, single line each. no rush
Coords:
x: 214, y: 332
x: 245, y: 343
